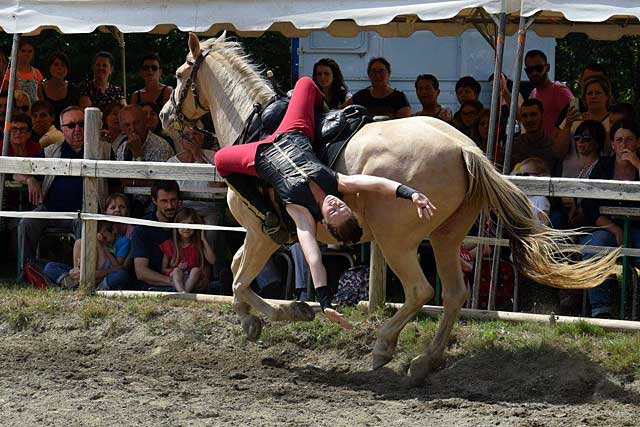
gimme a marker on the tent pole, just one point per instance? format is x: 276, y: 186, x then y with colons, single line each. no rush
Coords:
x: 493, y: 124
x: 7, y: 116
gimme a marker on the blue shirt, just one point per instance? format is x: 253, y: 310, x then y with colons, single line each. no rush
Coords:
x: 65, y: 193
x: 145, y: 242
x: 121, y: 247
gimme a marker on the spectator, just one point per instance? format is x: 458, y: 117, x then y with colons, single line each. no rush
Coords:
x: 57, y: 193
x: 57, y: 90
x: 153, y: 91
x: 470, y: 114
x: 137, y: 142
x: 152, y: 120
x: 380, y: 98
x: 3, y: 63
x: 554, y: 95
x: 623, y: 165
x: 28, y: 78
x: 428, y: 90
x: 109, y: 275
x: 535, y: 166
x: 467, y: 89
x: 21, y: 103
x: 187, y: 258
x: 99, y: 91
x: 111, y: 124
x: 328, y: 77
x: 43, y: 129
x: 597, y: 95
x: 118, y: 205
x: 589, y: 139
x: 3, y: 110
x: 620, y: 111
x: 146, y: 241
x: 535, y: 142
x: 590, y: 71
x: 483, y: 130
x: 21, y: 143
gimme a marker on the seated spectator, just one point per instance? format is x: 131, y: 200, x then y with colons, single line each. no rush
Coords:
x: 21, y: 103
x: 57, y: 90
x: 21, y: 143
x: 99, y: 91
x: 588, y: 72
x: 118, y: 205
x: 137, y: 142
x: 380, y: 98
x: 3, y: 62
x: 328, y: 77
x: 109, y: 275
x: 28, y: 78
x: 621, y: 111
x: 44, y: 130
x: 152, y: 120
x: 3, y: 110
x: 153, y: 91
x: 187, y: 257
x: 467, y: 89
x: 428, y: 90
x: 57, y: 193
x: 623, y: 165
x: 111, y: 124
x: 483, y: 131
x: 535, y: 166
x: 534, y: 142
x: 554, y: 96
x: 470, y: 114
x: 146, y: 241
x: 597, y: 96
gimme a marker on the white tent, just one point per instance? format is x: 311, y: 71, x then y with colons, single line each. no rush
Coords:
x: 599, y: 18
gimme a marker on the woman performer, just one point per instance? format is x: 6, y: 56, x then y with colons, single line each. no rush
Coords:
x: 308, y: 188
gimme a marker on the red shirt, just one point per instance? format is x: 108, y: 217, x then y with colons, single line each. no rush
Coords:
x: 190, y: 254
x: 554, y: 97
x: 33, y: 149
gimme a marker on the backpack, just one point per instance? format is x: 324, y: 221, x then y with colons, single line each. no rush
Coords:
x: 353, y: 286
x: 34, y: 275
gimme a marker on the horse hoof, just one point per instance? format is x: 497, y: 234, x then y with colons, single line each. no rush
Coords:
x: 301, y: 311
x: 381, y: 359
x: 252, y: 327
x: 420, y: 367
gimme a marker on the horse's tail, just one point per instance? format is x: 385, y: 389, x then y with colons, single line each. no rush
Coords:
x: 535, y: 248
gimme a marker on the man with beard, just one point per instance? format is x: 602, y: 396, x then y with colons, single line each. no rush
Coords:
x: 535, y: 142
x: 554, y: 96
x: 147, y: 256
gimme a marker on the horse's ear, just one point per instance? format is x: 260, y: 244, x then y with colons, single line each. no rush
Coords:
x: 223, y: 36
x: 194, y: 45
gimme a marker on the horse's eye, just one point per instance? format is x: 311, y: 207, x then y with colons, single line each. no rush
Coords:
x: 178, y: 76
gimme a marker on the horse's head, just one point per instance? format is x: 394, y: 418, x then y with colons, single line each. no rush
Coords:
x: 188, y: 102
x: 219, y: 79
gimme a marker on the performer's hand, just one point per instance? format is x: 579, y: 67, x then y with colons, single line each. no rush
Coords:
x: 424, y: 205
x: 338, y: 318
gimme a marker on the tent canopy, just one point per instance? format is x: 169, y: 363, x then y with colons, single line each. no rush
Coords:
x: 600, y: 19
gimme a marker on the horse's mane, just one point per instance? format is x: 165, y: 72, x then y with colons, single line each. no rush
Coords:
x: 248, y: 81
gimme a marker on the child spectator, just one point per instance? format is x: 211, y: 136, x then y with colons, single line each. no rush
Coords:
x: 28, y: 78
x: 469, y: 116
x: 109, y: 275
x: 118, y: 205
x: 184, y: 256
x: 21, y: 102
x: 467, y: 89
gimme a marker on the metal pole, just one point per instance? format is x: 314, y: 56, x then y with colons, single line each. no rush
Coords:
x: 7, y: 116
x: 493, y: 124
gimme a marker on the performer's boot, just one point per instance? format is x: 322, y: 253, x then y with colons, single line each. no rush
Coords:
x: 246, y: 187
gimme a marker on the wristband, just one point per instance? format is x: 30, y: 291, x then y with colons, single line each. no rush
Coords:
x: 324, y: 297
x: 405, y: 192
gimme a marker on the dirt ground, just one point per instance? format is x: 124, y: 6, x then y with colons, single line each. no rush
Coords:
x: 158, y: 369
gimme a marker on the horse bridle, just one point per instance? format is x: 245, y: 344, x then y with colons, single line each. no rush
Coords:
x: 181, y: 122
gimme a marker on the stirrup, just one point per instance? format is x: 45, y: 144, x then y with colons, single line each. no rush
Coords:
x: 272, y: 227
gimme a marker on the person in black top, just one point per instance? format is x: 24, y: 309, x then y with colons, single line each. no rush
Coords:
x: 380, y: 98
x: 624, y: 165
x: 153, y: 90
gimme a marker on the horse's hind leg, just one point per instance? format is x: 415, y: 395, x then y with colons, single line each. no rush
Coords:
x: 446, y: 242
x: 404, y: 263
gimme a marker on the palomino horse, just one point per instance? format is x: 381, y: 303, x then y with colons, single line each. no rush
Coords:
x: 422, y: 152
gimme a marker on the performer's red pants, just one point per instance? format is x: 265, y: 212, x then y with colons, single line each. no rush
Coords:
x: 300, y: 117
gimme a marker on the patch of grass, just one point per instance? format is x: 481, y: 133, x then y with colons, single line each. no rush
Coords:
x: 144, y: 310
x: 580, y: 328
x: 94, y: 309
x: 316, y: 334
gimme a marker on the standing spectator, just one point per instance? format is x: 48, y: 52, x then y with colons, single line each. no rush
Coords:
x: 43, y: 129
x: 467, y: 89
x: 623, y: 165
x: 28, y: 78
x: 535, y: 142
x: 153, y: 91
x: 428, y: 90
x: 57, y: 90
x: 380, y: 98
x: 57, y: 193
x: 99, y: 91
x: 554, y: 96
x: 328, y: 77
x: 597, y: 96
x: 146, y: 241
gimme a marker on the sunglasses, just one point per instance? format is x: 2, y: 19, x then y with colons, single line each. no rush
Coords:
x: 536, y: 68
x: 583, y: 138
x: 19, y: 129
x: 74, y: 125
x: 23, y: 108
x: 150, y: 67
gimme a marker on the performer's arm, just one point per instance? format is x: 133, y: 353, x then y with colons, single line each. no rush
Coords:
x: 351, y: 184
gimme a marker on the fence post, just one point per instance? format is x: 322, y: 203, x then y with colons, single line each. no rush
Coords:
x: 377, y: 278
x: 89, y: 254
